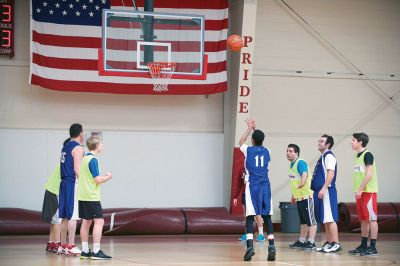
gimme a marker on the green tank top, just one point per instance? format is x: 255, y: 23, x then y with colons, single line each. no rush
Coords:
x: 88, y: 190
x: 295, y: 180
x: 53, y: 183
x: 359, y: 175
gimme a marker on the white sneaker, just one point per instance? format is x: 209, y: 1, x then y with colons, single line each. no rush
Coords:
x: 324, y: 246
x: 334, y: 247
x: 72, y: 250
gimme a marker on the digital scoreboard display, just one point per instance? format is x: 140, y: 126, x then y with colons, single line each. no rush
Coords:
x: 7, y: 27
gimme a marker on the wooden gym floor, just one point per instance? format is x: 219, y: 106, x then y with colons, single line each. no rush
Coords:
x: 194, y: 250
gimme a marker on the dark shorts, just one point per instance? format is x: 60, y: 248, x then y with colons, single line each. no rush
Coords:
x: 89, y: 210
x: 305, y: 209
x: 50, y: 207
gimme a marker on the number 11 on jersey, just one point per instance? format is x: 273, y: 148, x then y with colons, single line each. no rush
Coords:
x: 261, y: 160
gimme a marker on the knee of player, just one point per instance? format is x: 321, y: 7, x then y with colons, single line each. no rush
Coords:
x: 99, y: 221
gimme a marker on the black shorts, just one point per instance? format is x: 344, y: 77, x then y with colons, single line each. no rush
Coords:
x: 244, y: 199
x: 50, y: 207
x: 305, y: 209
x: 89, y: 210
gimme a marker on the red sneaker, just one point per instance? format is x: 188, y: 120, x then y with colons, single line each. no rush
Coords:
x: 55, y: 247
x: 62, y: 249
x: 49, y: 246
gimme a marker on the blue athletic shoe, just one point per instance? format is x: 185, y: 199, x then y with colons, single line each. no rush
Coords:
x: 260, y: 238
x: 242, y: 237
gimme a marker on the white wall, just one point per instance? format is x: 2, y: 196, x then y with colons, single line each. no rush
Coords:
x: 149, y: 169
x: 299, y: 107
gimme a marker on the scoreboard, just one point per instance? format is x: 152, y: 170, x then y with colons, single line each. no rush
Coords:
x: 7, y: 27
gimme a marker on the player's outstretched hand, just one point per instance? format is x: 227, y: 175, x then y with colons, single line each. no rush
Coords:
x: 251, y: 123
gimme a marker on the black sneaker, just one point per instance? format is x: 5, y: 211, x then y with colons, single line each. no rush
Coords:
x: 297, y: 244
x: 100, y: 256
x: 271, y: 253
x: 308, y: 246
x: 369, y: 252
x: 326, y: 245
x: 357, y: 250
x: 249, y: 254
x: 86, y: 255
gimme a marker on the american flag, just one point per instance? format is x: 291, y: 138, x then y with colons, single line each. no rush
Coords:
x: 66, y: 36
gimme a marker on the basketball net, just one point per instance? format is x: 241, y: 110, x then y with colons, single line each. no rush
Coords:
x: 161, y: 73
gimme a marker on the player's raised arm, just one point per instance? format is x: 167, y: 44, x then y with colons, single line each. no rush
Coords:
x: 250, y: 125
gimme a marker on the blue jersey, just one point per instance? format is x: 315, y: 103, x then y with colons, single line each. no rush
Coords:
x: 257, y: 159
x: 67, y: 161
x: 320, y: 172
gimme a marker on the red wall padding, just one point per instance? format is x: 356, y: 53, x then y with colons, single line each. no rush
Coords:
x: 388, y: 217
x: 145, y: 222
x: 209, y: 222
x: 134, y: 221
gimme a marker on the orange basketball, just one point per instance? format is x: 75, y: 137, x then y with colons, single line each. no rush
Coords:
x: 235, y: 42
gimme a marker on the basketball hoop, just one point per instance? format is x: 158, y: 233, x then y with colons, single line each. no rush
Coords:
x: 161, y: 73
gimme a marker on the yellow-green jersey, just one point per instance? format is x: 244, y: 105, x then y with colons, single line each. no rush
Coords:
x: 53, y: 183
x: 360, y: 173
x: 88, y: 190
x: 295, y: 179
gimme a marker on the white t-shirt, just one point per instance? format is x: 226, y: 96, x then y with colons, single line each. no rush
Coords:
x: 330, y: 162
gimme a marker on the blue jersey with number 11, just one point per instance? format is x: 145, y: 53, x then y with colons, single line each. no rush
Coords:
x: 257, y: 159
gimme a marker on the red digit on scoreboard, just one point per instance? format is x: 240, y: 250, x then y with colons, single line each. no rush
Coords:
x: 7, y: 13
x: 6, y: 38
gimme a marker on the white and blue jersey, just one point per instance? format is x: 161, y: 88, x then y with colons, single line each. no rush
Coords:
x: 258, y: 190
x: 326, y: 209
x: 68, y: 204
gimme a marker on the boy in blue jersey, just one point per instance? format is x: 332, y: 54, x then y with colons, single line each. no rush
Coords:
x: 258, y: 190
x: 71, y: 156
x: 89, y: 197
x: 325, y: 195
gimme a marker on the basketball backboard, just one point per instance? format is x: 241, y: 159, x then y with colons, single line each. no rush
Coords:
x: 132, y: 39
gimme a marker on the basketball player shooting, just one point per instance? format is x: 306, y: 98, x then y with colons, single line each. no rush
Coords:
x: 258, y: 189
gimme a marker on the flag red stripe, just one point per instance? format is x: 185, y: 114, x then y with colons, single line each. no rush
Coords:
x: 64, y: 63
x: 89, y: 64
x: 66, y: 41
x: 79, y: 86
x: 187, y: 4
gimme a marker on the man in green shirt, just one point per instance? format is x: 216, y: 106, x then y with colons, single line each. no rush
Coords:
x: 365, y: 189
x: 302, y: 195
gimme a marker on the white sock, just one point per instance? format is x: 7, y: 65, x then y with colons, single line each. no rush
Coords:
x: 249, y: 236
x: 260, y: 230
x: 302, y: 240
x: 311, y: 240
x: 96, y: 247
x: 85, y: 247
